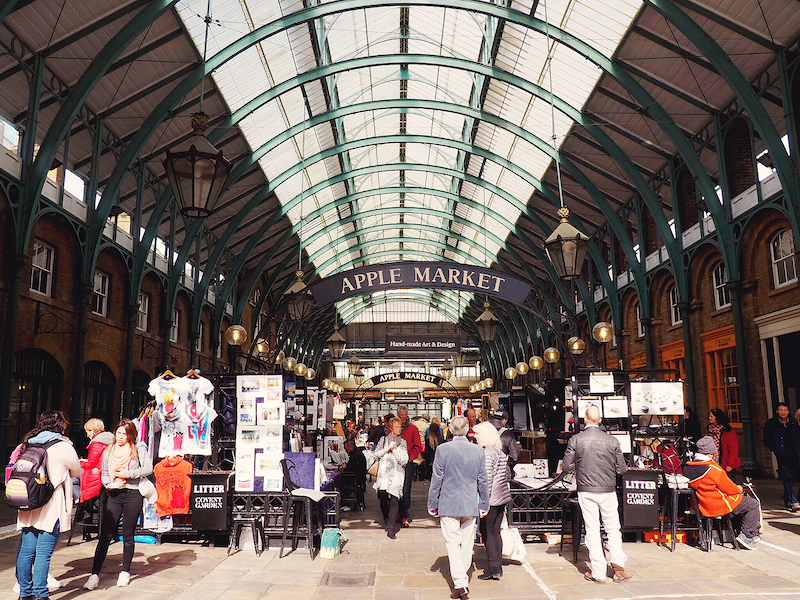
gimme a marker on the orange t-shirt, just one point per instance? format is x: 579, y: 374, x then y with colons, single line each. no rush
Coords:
x: 173, y: 485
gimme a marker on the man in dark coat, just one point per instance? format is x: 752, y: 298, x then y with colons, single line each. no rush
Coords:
x: 499, y: 419
x: 356, y: 463
x: 782, y: 437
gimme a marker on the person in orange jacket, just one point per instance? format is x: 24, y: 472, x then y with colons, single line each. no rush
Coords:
x: 717, y: 495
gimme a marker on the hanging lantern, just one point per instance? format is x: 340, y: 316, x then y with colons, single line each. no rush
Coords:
x: 326, y: 383
x: 298, y: 298
x: 511, y: 372
x: 280, y: 358
x: 521, y: 367
x: 602, y: 332
x: 235, y: 335
x: 310, y: 374
x: 488, y: 324
x: 536, y: 363
x: 359, y: 377
x: 489, y: 382
x: 447, y: 370
x: 336, y: 344
x: 566, y: 248
x: 196, y: 171
x: 576, y: 345
x: 551, y: 355
x: 300, y: 370
x: 289, y: 363
x: 353, y: 365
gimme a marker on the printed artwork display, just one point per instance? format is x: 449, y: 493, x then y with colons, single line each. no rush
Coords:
x: 656, y: 398
x: 615, y: 407
x: 259, y: 433
x: 586, y: 402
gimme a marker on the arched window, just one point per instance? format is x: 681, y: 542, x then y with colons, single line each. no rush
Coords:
x: 781, y: 249
x: 98, y: 392
x: 722, y: 297
x: 36, y: 388
x: 674, y: 309
x: 255, y: 297
x: 639, y: 326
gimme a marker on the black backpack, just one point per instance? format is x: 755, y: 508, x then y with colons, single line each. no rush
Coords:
x: 29, y: 486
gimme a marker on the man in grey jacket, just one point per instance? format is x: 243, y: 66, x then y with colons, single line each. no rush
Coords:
x: 458, y: 493
x: 597, y: 459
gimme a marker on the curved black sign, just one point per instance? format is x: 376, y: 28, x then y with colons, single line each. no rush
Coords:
x: 407, y: 375
x: 404, y: 275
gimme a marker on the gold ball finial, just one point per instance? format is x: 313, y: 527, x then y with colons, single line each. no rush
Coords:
x: 200, y: 123
x: 299, y: 274
x: 486, y: 305
x: 563, y: 212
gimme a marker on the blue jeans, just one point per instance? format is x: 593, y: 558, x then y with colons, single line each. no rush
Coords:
x: 33, y: 560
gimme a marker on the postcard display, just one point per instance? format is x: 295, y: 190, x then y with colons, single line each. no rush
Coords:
x: 606, y: 391
x: 261, y: 414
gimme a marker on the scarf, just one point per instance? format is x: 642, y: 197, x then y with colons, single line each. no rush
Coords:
x: 119, y: 458
x: 393, y: 438
x: 715, y: 431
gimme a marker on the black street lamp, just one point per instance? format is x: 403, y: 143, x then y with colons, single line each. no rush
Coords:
x: 488, y: 324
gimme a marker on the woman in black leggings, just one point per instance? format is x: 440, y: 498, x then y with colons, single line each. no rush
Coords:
x: 125, y: 464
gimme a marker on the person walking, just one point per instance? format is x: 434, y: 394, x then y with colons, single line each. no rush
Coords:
x: 433, y: 439
x: 126, y: 466
x: 719, y: 428
x: 458, y: 494
x: 782, y: 437
x: 499, y: 419
x: 597, y: 459
x: 41, y: 526
x: 414, y: 445
x: 392, y: 454
x: 498, y: 475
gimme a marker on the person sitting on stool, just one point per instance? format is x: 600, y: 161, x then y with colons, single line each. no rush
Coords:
x: 717, y: 495
x: 356, y: 463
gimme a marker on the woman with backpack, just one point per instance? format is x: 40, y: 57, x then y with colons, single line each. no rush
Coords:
x: 41, y: 525
x: 126, y: 466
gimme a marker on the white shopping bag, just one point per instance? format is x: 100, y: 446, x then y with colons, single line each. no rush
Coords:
x: 513, y: 546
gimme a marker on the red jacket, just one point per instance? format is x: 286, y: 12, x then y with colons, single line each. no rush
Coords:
x: 413, y: 440
x: 729, y: 450
x: 93, y: 466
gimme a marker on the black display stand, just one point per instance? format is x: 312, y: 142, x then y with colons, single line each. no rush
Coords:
x: 640, y: 499
x: 209, y: 503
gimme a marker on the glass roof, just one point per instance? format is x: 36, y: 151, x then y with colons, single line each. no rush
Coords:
x: 429, y: 168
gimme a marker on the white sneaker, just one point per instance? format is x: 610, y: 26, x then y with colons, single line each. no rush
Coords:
x: 124, y: 579
x: 92, y: 582
x: 52, y: 585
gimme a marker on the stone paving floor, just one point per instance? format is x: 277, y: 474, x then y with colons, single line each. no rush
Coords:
x: 414, y: 567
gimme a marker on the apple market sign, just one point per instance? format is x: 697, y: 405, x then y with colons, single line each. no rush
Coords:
x: 405, y: 275
x: 408, y: 376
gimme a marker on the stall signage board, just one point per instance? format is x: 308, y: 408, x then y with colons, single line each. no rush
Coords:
x: 209, y: 501
x: 418, y: 343
x: 431, y: 275
x: 640, y: 499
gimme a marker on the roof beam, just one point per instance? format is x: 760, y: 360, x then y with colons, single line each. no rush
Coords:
x: 745, y: 32
x: 648, y: 77
x: 674, y: 48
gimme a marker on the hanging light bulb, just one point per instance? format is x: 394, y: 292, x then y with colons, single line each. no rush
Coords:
x: 510, y: 373
x: 310, y: 374
x: 521, y: 367
x: 290, y: 363
x: 235, y: 335
x: 551, y: 355
x: 280, y: 358
x: 326, y: 383
x: 489, y: 382
x: 602, y: 332
x: 576, y: 345
x: 300, y: 369
x: 536, y: 362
